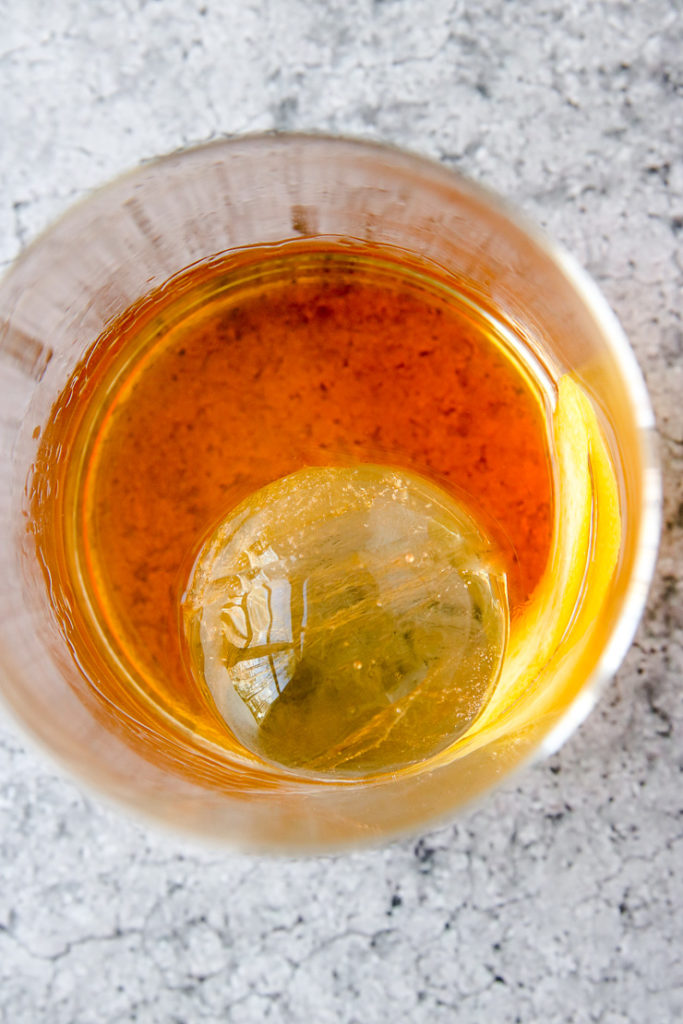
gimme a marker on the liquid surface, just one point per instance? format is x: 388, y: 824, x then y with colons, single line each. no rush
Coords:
x: 347, y: 620
x: 234, y: 376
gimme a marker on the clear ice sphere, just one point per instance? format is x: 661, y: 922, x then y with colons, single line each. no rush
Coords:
x: 347, y: 621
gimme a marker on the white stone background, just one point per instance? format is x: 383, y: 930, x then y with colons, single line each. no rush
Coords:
x: 560, y: 898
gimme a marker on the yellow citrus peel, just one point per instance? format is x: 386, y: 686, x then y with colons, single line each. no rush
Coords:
x: 548, y: 638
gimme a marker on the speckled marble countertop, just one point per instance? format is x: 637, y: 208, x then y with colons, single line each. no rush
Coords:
x: 560, y: 899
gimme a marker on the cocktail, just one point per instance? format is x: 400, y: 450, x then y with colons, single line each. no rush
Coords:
x: 329, y: 491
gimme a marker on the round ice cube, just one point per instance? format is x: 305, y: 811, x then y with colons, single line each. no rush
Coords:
x: 347, y: 621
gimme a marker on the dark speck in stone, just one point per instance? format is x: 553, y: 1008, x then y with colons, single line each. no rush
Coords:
x: 668, y: 81
x: 660, y: 170
x: 659, y: 712
x: 424, y: 855
x: 284, y: 111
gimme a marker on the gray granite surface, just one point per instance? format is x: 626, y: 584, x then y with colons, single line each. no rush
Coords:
x: 560, y: 898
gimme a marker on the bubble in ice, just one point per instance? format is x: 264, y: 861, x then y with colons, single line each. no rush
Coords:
x: 347, y: 621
